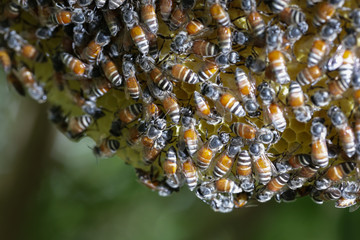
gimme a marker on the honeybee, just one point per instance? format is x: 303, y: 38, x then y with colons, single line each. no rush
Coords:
x: 257, y: 24
x: 181, y: 43
x: 343, y: 202
x: 334, y: 174
x: 240, y: 200
x: 112, y: 22
x: 171, y: 107
x: 12, y: 10
x: 218, y: 13
x: 5, y: 60
x: 278, y: 66
x: 321, y: 98
x: 355, y: 17
x: 132, y: 87
x: 166, y: 7
x: 114, y: 4
x: 57, y: 117
x: 292, y: 34
x: 273, y: 38
x: 296, y: 100
x: 138, y: 36
x: 204, y: 48
x: 262, y: 164
x: 329, y: 194
x: 325, y: 11
x: 88, y: 106
x: 273, y: 113
x: 346, y: 133
x: 225, y: 161
x: 129, y: 113
x: 319, y: 150
x: 30, y: 52
x: 275, y: 185
x: 244, y: 85
x: 93, y: 50
x: 74, y: 64
x: 153, y: 45
x: 225, y: 185
x: 148, y: 15
x: 207, y: 152
x: 184, y: 74
x: 309, y: 75
x: 277, y: 6
x: 302, y: 175
x: 244, y: 130
x: 208, y: 70
x: 194, y: 27
x: 107, y: 148
x: 224, y: 38
x: 111, y: 72
x: 177, y: 18
x: 203, y: 109
x: 170, y: 168
x: 156, y: 75
x: 60, y: 17
x: 318, y: 51
x: 151, y: 153
x: 224, y: 98
x: 294, y: 162
x: 147, y: 179
x: 291, y: 15
x: 97, y: 88
x: 78, y: 125
x: 190, y: 174
x: 191, y: 138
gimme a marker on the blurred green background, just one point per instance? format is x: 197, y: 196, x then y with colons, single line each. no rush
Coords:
x: 52, y: 188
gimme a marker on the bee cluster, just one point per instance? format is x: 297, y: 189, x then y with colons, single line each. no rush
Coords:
x: 241, y: 101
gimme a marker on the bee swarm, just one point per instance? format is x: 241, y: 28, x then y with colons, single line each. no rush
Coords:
x: 241, y: 101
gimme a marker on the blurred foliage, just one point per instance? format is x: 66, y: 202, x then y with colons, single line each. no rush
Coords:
x: 80, y: 197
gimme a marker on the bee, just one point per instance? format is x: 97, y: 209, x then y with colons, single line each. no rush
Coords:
x: 129, y: 113
x: 240, y: 200
x: 334, y: 174
x: 171, y: 107
x: 190, y: 136
x: 147, y: 179
x: 244, y: 171
x: 225, y: 185
x: 93, y: 50
x: 224, y: 98
x: 203, y: 109
x: 60, y: 17
x: 134, y: 135
x: 295, y: 162
x: 5, y: 60
x: 267, y: 136
x: 346, y: 133
x: 112, y: 22
x: 157, y: 76
x: 301, y: 176
x: 181, y: 43
x: 346, y: 69
x: 166, y: 7
x: 138, y: 36
x: 309, y: 75
x: 74, y: 64
x: 291, y: 15
x: 321, y: 98
x: 278, y: 66
x: 114, y: 4
x: 319, y: 150
x: 87, y: 106
x: 58, y: 118
x: 148, y: 15
x: 225, y: 160
x: 170, y: 168
x: 100, y: 3
x: 153, y: 44
x: 184, y: 74
x: 30, y: 52
x: 130, y: 17
x: 12, y: 10
x: 343, y: 202
x: 317, y: 52
x: 204, y: 48
x: 150, y: 154
x: 329, y: 194
x: 224, y: 38
x: 111, y: 72
x: 84, y: 3
x: 190, y: 174
x: 273, y: 38
x: 277, y: 6
x: 219, y: 14
x: 207, y: 152
x: 151, y: 109
x: 276, y: 116
x: 177, y: 18
x: 296, y: 100
x: 243, y: 130
x: 98, y: 88
x: 262, y: 164
x: 78, y: 125
x: 132, y: 87
x: 325, y: 11
x: 207, y: 71
x: 355, y: 17
x: 257, y: 24
x: 224, y: 60
x: 275, y: 185
x: 107, y: 148
x: 194, y: 27
x: 292, y: 34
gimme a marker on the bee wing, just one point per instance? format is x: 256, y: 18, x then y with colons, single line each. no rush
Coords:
x: 354, y: 207
x: 336, y: 60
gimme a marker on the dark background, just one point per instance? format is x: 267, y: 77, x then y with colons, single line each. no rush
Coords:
x: 52, y: 188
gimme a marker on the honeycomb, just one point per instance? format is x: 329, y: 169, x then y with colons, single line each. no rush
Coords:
x: 277, y: 81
